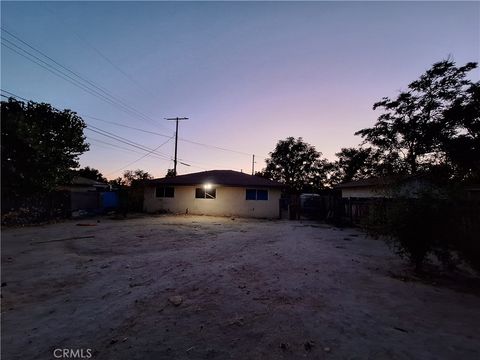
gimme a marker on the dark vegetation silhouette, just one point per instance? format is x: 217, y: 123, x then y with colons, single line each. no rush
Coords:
x: 40, y: 146
x: 430, y: 130
x: 171, y: 173
x: 130, y: 190
x: 297, y: 164
x: 90, y: 173
x: 433, y: 127
x: 131, y: 178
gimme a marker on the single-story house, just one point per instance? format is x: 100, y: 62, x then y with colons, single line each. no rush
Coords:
x: 410, y: 187
x: 215, y: 192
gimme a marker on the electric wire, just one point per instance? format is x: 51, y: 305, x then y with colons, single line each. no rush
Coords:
x: 140, y: 158
x: 63, y: 76
x: 90, y: 85
x: 101, y: 54
x: 151, y: 152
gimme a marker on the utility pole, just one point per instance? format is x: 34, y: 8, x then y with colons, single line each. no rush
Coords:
x: 176, y: 141
x: 253, y: 164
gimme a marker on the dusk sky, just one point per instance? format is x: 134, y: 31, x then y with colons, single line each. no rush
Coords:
x: 247, y: 74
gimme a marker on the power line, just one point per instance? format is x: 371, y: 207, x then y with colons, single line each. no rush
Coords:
x: 214, y: 147
x: 118, y: 147
x: 146, y: 131
x: 144, y: 148
x: 125, y: 126
x: 152, y: 152
x: 108, y: 146
x: 108, y: 95
x: 57, y: 63
x: 125, y: 141
x: 13, y: 95
x: 148, y: 92
x: 140, y: 158
x: 164, y: 135
x: 121, y: 138
x: 63, y: 76
x: 70, y: 71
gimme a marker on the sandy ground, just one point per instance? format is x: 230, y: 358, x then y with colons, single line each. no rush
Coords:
x: 249, y: 289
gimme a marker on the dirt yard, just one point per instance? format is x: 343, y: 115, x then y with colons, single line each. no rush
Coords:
x: 193, y: 287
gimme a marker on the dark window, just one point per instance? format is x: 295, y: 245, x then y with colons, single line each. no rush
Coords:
x: 256, y: 194
x: 262, y: 194
x: 169, y: 191
x: 211, y: 194
x: 164, y: 191
x: 251, y: 194
x: 205, y: 194
x: 199, y: 193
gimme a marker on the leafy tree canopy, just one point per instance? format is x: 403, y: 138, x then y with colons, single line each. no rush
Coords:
x: 40, y: 145
x: 297, y: 164
x: 131, y: 178
x: 353, y: 164
x: 171, y: 173
x: 90, y: 173
x: 433, y: 126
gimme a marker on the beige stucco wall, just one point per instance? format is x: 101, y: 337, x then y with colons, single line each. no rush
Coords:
x: 230, y: 201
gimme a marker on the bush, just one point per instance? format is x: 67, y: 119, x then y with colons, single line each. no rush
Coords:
x: 418, y: 228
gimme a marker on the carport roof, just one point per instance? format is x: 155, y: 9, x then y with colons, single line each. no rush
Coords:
x: 218, y: 177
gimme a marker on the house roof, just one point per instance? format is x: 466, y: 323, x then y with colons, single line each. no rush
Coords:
x: 366, y: 182
x: 473, y: 187
x: 218, y: 177
x: 382, y: 181
x: 82, y: 181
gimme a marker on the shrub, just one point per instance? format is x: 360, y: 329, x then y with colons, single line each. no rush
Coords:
x: 424, y: 226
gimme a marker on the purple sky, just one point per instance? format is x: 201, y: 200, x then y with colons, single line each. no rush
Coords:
x: 246, y: 74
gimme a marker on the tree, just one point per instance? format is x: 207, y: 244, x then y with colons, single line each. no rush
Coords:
x: 353, y: 164
x: 425, y: 125
x: 462, y: 147
x: 40, y: 145
x: 363, y: 162
x: 117, y: 183
x: 297, y: 164
x: 171, y: 173
x: 132, y: 177
x: 90, y: 173
x: 432, y: 128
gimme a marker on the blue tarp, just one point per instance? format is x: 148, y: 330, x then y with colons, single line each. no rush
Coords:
x: 109, y: 200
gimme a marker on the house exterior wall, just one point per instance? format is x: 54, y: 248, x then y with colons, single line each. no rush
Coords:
x: 362, y: 192
x: 229, y: 201
x: 410, y: 189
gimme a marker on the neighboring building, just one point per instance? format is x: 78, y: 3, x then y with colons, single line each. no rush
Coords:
x: 81, y: 184
x: 216, y: 192
x: 410, y: 187
x: 89, y: 196
x: 473, y: 192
